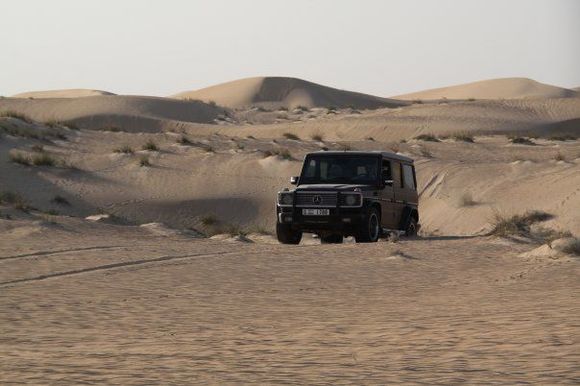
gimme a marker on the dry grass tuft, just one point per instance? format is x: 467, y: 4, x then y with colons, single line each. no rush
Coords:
x: 125, y: 149
x: 427, y: 137
x: 291, y: 136
x: 150, y: 146
x: 144, y: 161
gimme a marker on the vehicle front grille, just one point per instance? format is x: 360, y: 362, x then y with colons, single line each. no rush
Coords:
x: 317, y: 199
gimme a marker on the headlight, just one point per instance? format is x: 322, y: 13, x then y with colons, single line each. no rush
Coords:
x: 352, y: 199
x: 285, y: 198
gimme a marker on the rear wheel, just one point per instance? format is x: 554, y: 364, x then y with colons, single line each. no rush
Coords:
x: 331, y: 239
x: 370, y: 229
x: 411, y: 228
x: 286, y: 235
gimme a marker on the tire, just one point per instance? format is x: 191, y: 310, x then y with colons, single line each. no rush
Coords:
x: 331, y: 239
x: 286, y: 235
x: 411, y: 228
x: 371, y: 228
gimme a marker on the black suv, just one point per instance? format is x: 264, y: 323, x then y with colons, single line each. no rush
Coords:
x: 349, y: 193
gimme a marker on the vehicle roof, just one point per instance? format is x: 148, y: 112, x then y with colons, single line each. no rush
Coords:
x: 385, y: 154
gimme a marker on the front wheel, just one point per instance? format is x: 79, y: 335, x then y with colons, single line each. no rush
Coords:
x: 286, y: 235
x: 370, y: 229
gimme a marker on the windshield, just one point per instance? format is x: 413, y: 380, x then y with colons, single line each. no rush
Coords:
x: 340, y: 169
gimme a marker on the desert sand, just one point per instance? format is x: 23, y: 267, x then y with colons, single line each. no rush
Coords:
x: 67, y: 93
x: 504, y: 88
x: 144, y: 254
x: 284, y: 92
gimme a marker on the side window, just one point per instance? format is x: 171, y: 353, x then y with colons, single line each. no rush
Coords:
x: 396, y: 171
x: 387, y: 174
x: 310, y: 169
x: 408, y: 179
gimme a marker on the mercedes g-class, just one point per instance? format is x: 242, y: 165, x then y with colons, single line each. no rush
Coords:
x: 349, y: 193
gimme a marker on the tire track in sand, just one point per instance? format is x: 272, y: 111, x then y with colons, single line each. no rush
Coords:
x: 106, y: 267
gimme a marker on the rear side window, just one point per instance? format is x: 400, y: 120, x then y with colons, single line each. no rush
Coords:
x: 396, y: 172
x: 408, y: 178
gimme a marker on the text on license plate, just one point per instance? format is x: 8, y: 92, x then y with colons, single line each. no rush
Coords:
x: 315, y: 212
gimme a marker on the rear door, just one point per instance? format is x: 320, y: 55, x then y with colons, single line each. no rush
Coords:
x: 399, y: 192
x: 409, y: 191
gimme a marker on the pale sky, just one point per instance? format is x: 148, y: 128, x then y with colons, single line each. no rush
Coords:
x: 381, y: 47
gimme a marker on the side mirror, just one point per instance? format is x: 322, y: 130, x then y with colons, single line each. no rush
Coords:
x: 294, y: 180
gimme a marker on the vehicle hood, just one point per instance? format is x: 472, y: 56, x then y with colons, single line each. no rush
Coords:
x: 334, y: 187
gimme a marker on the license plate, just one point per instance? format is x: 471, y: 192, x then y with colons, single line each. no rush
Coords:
x: 315, y: 212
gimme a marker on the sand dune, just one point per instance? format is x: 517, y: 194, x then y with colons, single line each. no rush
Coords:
x: 67, y: 93
x: 286, y: 92
x: 235, y: 179
x: 132, y: 113
x: 506, y: 88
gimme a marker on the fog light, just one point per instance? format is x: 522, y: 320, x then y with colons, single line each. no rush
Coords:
x: 287, y: 218
x: 346, y: 219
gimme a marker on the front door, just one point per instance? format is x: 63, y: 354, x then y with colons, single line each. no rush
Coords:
x: 389, y: 218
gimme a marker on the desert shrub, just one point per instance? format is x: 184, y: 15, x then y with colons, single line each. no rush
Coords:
x: 282, y: 108
x: 370, y: 139
x: 317, y: 137
x: 521, y: 141
x: 27, y: 132
x: 471, y: 100
x: 302, y: 108
x: 125, y: 149
x: 10, y: 198
x: 564, y: 137
x: 37, y: 159
x: 144, y: 161
x: 16, y: 115
x: 19, y: 158
x: 212, y: 103
x: 60, y: 200
x: 572, y: 247
x: 209, y: 149
x: 517, y: 225
x: 291, y: 136
x: 417, y: 101
x: 209, y: 220
x: 250, y: 137
x: 183, y: 140
x: 15, y: 200
x: 150, y: 146
x: 43, y: 159
x: 463, y: 137
x: 37, y: 148
x: 466, y: 199
x: 427, y: 137
x: 285, y: 154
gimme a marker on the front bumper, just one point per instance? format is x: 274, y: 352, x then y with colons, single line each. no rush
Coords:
x: 341, y: 220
